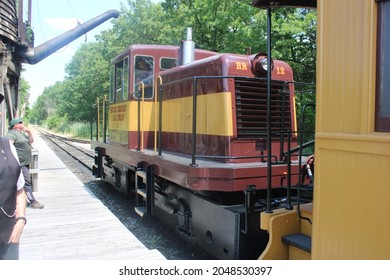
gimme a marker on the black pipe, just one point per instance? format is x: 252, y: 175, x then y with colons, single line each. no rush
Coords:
x: 160, y: 121
x: 269, y: 142
x: 139, y: 123
x: 288, y: 204
x: 105, y: 121
x: 282, y: 131
x: 35, y: 55
x: 300, y: 161
x: 194, y: 105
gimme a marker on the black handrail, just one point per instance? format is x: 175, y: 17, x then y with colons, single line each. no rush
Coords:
x: 160, y: 121
x: 194, y: 156
x: 141, y: 86
x: 288, y: 204
x: 300, y: 161
x: 269, y: 143
x: 194, y: 114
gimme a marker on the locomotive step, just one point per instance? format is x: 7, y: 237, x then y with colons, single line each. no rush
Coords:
x: 141, y: 173
x: 142, y: 191
x: 299, y: 240
x: 140, y: 210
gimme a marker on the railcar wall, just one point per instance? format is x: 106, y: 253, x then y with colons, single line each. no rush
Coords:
x: 352, y: 161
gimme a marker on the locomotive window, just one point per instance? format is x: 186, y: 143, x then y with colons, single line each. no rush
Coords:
x: 118, y: 82
x: 143, y: 72
x: 382, y: 108
x: 125, y: 79
x: 167, y: 63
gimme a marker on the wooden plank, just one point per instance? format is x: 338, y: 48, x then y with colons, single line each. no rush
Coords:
x: 74, y: 224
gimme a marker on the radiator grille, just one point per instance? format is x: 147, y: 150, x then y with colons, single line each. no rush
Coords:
x: 251, y: 108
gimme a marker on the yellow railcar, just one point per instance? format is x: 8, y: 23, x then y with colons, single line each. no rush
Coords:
x: 349, y: 214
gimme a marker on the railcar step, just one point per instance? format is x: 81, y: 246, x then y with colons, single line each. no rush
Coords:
x: 140, y: 210
x: 142, y: 192
x: 141, y: 173
x: 299, y: 240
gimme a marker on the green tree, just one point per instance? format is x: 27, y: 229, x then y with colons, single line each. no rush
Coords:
x: 46, y: 104
x: 139, y: 23
x: 87, y: 79
x: 294, y: 41
x: 24, y: 94
x: 219, y: 25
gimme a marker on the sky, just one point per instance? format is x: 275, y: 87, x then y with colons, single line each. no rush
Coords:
x: 52, y: 18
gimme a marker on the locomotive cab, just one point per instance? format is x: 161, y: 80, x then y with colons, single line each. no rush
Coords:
x: 132, y: 75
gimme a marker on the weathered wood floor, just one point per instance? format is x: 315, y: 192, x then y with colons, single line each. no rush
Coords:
x: 74, y: 225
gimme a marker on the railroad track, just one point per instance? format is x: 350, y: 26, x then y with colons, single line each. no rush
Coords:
x: 72, y: 147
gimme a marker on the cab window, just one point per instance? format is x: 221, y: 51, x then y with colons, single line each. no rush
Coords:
x: 120, y: 82
x: 382, y: 108
x: 125, y: 92
x: 143, y: 72
x: 167, y: 63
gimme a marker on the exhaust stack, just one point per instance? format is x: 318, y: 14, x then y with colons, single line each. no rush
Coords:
x: 187, y: 49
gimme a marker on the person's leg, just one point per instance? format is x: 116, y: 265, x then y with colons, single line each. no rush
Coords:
x: 27, y: 185
x: 32, y: 202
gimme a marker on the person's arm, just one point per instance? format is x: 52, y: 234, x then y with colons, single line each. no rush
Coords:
x: 29, y: 134
x: 21, y: 200
x: 20, y: 216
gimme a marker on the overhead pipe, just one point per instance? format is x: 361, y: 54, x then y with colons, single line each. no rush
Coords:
x: 35, y: 55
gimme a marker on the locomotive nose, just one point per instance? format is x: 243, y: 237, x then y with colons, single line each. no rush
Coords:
x: 259, y: 65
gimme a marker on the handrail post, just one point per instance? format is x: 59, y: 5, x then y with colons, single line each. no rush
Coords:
x: 194, y: 107
x: 282, y: 133
x: 34, y: 169
x: 269, y: 136
x: 160, y: 122
x: 91, y: 122
x: 97, y: 119
x: 158, y: 78
x: 300, y: 161
x: 142, y: 87
x: 104, y: 119
x: 288, y: 205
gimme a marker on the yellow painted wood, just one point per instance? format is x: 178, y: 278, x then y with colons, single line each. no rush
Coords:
x: 307, y: 212
x: 278, y: 224
x: 346, y: 65
x: 350, y: 219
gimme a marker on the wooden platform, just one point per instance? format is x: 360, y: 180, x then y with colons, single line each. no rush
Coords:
x: 74, y: 225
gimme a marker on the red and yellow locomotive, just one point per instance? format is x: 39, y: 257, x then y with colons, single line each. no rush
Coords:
x: 189, y: 134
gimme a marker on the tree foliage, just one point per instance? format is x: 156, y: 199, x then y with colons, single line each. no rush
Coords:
x: 218, y: 25
x: 24, y: 94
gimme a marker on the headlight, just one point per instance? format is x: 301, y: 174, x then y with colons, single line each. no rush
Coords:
x: 264, y: 63
x: 259, y: 65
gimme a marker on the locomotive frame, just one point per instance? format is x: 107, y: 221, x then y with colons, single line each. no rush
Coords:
x: 351, y: 153
x: 172, y: 151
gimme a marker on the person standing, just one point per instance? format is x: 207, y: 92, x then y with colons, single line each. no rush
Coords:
x: 12, y: 200
x: 22, y: 139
